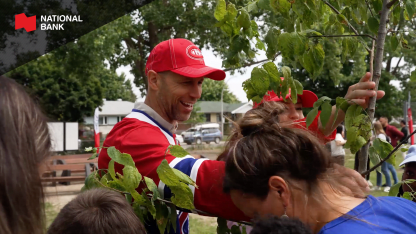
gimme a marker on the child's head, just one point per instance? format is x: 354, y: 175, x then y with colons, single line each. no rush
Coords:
x: 275, y: 225
x: 409, y: 169
x: 273, y: 167
x: 97, y: 211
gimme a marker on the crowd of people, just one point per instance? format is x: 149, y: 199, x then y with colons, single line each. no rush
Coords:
x: 273, y: 170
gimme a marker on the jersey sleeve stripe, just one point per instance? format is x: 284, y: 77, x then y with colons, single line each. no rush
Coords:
x: 194, y: 172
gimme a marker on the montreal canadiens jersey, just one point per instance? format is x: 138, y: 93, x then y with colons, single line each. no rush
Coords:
x: 146, y: 140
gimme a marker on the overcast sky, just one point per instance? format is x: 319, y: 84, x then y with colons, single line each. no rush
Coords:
x: 234, y: 82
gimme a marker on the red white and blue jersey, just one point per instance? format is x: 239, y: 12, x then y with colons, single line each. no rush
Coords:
x: 146, y: 140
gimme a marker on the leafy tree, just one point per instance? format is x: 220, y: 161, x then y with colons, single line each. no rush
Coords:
x: 307, y: 31
x: 66, y: 95
x: 211, y: 91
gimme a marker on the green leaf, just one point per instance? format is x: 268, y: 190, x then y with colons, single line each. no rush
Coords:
x: 131, y: 177
x: 282, y: 6
x: 260, y: 81
x: 260, y: 45
x: 325, y: 113
x: 235, y: 229
x: 182, y: 194
x: 293, y: 92
x: 374, y: 158
x: 410, y: 8
x: 116, y: 185
x: 222, y: 227
x: 349, y: 116
x: 394, y: 42
x: 383, y: 148
x: 148, y: 204
x: 91, y: 181
x: 396, y: 15
x: 413, y: 76
x: 342, y: 104
x: 271, y: 39
x: 287, y: 73
x: 152, y: 187
x: 408, y: 196
x: 352, y: 135
x: 231, y: 13
x: 173, y: 216
x: 404, y: 149
x: 299, y: 87
x: 93, y: 156
x: 120, y: 158
x: 220, y: 10
x: 252, y: 7
x: 311, y: 116
x: 394, y: 190
x: 177, y: 151
x: 243, y: 19
x: 373, y: 24
x: 111, y: 169
x: 162, y: 216
x: 313, y: 60
x: 357, y: 144
x: 377, y: 5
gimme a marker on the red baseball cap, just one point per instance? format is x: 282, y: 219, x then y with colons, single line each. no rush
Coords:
x: 181, y: 57
x: 308, y: 98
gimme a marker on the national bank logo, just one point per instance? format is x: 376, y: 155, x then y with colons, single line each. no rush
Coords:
x: 28, y: 23
x: 48, y: 22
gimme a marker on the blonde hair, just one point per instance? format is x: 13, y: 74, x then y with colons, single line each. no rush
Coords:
x: 378, y: 128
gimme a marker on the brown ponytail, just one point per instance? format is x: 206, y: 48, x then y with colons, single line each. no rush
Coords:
x: 261, y: 147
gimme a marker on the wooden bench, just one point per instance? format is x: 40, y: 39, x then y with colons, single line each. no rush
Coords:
x: 69, y: 164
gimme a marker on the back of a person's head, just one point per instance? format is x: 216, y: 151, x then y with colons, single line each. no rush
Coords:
x: 275, y: 225
x: 97, y: 211
x: 24, y: 145
x: 340, y: 128
x: 261, y: 147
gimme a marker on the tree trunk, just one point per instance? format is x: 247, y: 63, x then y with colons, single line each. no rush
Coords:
x: 378, y: 65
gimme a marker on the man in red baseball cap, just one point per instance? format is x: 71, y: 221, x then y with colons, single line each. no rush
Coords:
x: 358, y: 94
x: 175, y: 71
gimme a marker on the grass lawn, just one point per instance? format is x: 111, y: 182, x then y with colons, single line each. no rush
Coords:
x: 51, y: 212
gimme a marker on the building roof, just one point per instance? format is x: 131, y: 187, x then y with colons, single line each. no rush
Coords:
x: 116, y: 107
x: 215, y: 106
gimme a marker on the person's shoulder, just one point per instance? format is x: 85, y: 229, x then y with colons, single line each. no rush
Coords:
x: 135, y: 130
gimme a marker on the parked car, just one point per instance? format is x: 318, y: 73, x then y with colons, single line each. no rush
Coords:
x: 179, y: 138
x: 203, y: 133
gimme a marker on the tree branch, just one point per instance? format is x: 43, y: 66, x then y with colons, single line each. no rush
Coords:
x: 356, y: 35
x: 388, y: 156
x: 397, y: 65
x: 369, y: 8
x: 252, y: 63
x: 337, y: 12
x: 391, y: 3
x: 378, y: 65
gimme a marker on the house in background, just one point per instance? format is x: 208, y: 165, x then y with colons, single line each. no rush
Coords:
x: 111, y: 113
x: 212, y: 110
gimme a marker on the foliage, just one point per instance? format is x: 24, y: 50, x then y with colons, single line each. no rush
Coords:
x: 394, y: 190
x: 64, y: 93
x: 309, y: 28
x: 143, y: 190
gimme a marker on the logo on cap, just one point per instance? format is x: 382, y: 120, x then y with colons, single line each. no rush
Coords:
x: 193, y: 52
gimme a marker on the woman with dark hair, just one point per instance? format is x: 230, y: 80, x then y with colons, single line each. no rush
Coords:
x: 277, y: 169
x: 24, y: 145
